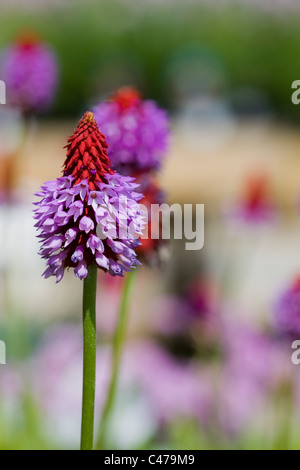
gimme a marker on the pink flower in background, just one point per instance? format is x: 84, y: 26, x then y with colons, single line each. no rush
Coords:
x: 137, y: 132
x: 174, y: 389
x: 252, y: 369
x: 11, y: 388
x: 29, y: 69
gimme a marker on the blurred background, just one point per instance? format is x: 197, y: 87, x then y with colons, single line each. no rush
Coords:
x: 207, y: 363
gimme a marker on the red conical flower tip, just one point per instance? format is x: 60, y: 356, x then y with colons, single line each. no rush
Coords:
x: 28, y: 40
x: 87, y: 154
x: 126, y: 98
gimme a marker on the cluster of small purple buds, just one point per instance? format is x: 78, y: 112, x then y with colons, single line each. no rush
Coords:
x: 91, y: 214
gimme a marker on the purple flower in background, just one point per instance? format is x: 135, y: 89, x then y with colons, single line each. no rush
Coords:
x: 30, y: 71
x: 137, y: 132
x: 287, y: 310
x: 91, y: 214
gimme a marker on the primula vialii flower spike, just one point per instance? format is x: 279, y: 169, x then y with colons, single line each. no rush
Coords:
x: 91, y: 214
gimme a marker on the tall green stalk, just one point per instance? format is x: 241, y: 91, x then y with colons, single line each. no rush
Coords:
x: 118, y: 344
x: 89, y: 359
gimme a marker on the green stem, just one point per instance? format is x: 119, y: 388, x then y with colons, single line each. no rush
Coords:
x: 89, y: 359
x: 119, y: 338
x: 284, y: 407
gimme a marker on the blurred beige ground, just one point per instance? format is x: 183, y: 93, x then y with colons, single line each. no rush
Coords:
x: 208, y: 170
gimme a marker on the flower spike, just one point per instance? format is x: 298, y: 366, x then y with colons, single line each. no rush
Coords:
x: 91, y: 213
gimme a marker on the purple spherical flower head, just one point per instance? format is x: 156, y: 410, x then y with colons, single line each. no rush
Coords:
x: 287, y: 310
x: 137, y: 132
x: 91, y: 214
x: 30, y: 72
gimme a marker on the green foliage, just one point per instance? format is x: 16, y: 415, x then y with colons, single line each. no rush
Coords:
x: 92, y: 38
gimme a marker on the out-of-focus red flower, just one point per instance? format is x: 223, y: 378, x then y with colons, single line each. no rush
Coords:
x: 126, y: 97
x: 256, y: 206
x: 149, y: 250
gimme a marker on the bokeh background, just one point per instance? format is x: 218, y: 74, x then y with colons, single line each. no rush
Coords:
x: 206, y: 364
